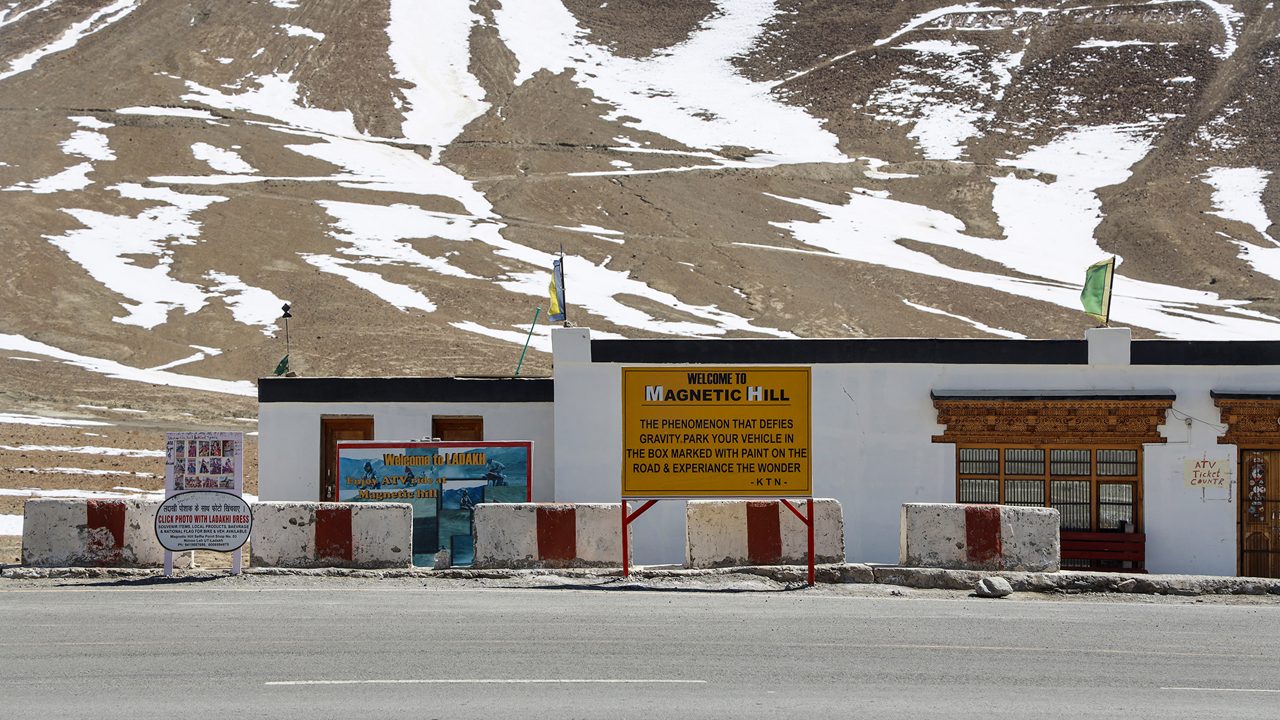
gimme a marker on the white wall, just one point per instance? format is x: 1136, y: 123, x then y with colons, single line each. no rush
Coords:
x: 872, y: 447
x: 289, y: 438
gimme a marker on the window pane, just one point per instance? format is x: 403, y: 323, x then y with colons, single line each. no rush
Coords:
x: 979, y: 461
x: 1122, y: 463
x: 979, y: 490
x: 1024, y: 461
x: 1071, y: 498
x: 1070, y: 462
x: 1115, y: 505
x: 1028, y: 493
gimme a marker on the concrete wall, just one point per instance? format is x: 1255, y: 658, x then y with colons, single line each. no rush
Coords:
x: 979, y: 537
x: 521, y: 535
x: 312, y: 534
x: 872, y: 425
x: 92, y: 533
x: 289, y: 438
x: 725, y: 533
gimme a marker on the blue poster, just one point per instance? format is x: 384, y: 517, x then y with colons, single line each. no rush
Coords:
x: 443, y: 481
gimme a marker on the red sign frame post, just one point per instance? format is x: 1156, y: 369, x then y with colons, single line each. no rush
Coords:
x: 716, y: 432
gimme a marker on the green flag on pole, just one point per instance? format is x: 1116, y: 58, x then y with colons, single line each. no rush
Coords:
x: 1096, y: 296
x: 282, y: 367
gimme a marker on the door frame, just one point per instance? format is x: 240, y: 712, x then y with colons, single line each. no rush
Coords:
x: 1241, y: 489
x: 330, y: 424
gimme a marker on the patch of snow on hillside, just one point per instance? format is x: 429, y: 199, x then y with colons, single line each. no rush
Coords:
x: 5, y: 18
x: 285, y: 4
x: 589, y: 229
x: 1049, y: 228
x: 104, y: 246
x: 86, y: 450
x: 442, y: 94
x: 540, y: 340
x: 1001, y: 332
x: 402, y: 297
x: 39, y: 420
x: 88, y: 144
x: 299, y: 31
x: 946, y: 96
x: 90, y: 122
x: 249, y: 305
x: 1099, y: 43
x: 75, y: 177
x: 113, y: 369
x: 159, y: 111
x: 220, y: 159
x: 1237, y: 195
x: 377, y: 166
x: 103, y: 18
x: 1229, y: 17
x: 374, y: 233
x: 689, y: 92
x: 277, y: 96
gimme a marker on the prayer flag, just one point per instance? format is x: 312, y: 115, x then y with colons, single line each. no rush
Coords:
x: 1096, y: 296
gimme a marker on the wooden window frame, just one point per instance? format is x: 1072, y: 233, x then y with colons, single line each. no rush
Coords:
x: 1095, y: 504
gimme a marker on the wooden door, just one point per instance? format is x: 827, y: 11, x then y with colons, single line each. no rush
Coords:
x: 333, y: 430
x: 457, y: 427
x: 1260, y: 513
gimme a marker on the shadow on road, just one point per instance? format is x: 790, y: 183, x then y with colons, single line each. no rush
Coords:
x: 631, y: 586
x: 144, y: 581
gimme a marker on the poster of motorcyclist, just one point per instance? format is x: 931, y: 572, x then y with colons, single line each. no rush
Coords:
x: 443, y: 481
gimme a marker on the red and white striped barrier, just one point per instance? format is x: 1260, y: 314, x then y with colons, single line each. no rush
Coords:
x: 979, y: 537
x: 550, y: 535
x: 727, y: 533
x: 349, y: 535
x: 77, y: 532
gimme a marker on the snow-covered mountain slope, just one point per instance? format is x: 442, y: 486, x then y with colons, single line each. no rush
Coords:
x: 404, y: 173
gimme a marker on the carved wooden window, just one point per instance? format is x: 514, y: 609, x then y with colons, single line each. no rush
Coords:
x: 1093, y: 488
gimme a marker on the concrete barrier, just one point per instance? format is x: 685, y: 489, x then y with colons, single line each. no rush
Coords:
x: 548, y: 535
x: 78, y: 532
x: 350, y: 535
x: 725, y: 533
x: 979, y: 537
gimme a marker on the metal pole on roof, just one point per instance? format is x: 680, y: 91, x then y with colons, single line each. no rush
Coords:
x: 536, y: 313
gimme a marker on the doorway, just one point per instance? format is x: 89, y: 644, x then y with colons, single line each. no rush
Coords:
x: 332, y: 431
x: 457, y: 427
x: 1260, y: 513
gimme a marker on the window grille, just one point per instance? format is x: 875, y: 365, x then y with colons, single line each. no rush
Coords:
x: 1072, y: 499
x: 979, y: 490
x: 979, y: 461
x: 1025, y: 493
x: 1118, y: 463
x: 1024, y: 461
x: 1071, y: 462
x: 1115, y: 505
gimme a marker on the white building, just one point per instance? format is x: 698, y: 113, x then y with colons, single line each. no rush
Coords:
x: 1102, y: 428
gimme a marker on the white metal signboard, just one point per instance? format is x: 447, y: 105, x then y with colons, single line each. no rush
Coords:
x: 203, y: 520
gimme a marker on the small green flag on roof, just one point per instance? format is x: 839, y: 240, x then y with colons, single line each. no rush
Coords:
x: 282, y: 367
x: 1096, y: 296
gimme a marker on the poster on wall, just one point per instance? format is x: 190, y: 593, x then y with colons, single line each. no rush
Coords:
x: 443, y: 481
x: 1206, y: 472
x: 203, y: 485
x: 716, y: 432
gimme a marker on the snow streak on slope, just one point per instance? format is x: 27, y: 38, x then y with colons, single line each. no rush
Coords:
x: 1049, y: 228
x: 105, y: 17
x: 668, y: 93
x: 442, y: 93
x: 83, y: 143
x: 114, y: 369
x: 1237, y: 195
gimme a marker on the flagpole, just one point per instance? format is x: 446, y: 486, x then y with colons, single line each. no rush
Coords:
x: 536, y: 313
x: 1111, y: 277
x: 564, y: 293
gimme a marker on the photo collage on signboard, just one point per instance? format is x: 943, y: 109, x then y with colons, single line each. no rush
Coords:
x: 204, y: 461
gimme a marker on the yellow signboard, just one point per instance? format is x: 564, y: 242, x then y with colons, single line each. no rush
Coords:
x: 715, y: 432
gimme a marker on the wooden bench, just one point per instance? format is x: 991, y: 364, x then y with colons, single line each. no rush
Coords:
x: 1109, y: 547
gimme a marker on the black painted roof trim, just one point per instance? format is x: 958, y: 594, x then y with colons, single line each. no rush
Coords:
x: 1030, y: 395
x: 405, y: 389
x: 955, y: 351
x: 1205, y: 352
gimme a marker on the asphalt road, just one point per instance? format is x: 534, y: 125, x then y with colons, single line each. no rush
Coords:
x: 357, y: 651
